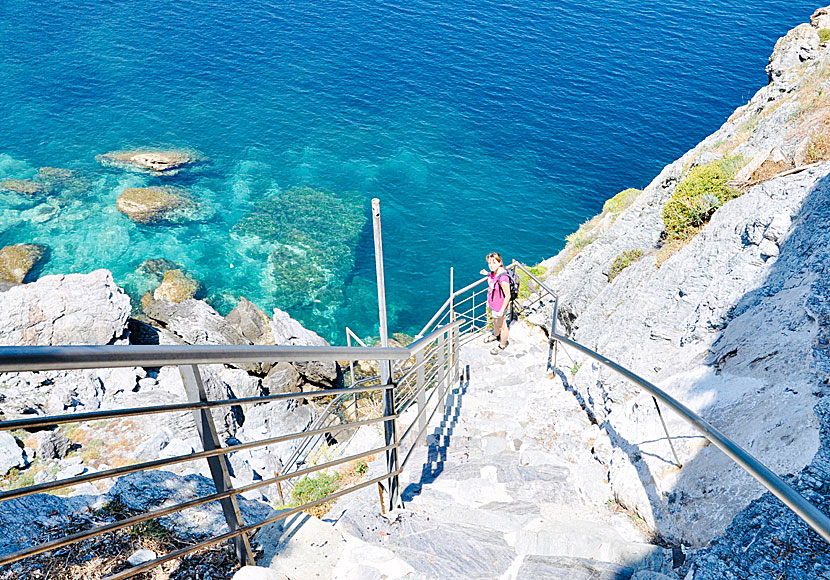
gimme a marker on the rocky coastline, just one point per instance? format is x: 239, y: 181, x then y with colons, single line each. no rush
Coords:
x: 725, y: 306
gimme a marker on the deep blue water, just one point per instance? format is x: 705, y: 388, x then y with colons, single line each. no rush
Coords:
x: 481, y: 125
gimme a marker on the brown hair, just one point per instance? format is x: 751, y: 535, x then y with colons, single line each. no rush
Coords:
x: 495, y: 255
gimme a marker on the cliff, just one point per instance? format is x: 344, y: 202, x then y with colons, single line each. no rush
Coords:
x: 724, y: 303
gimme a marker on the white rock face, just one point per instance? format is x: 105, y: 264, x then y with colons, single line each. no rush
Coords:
x: 11, y: 454
x: 258, y: 573
x: 65, y: 309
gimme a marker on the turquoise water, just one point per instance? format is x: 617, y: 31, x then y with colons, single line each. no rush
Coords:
x: 481, y: 126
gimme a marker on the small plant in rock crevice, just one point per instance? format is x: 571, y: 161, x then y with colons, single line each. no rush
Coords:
x: 575, y: 368
x: 824, y: 34
x: 623, y: 261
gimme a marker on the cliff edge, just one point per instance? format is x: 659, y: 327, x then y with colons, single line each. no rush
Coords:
x: 713, y: 284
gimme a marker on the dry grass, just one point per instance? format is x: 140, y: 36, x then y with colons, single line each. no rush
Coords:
x: 105, y: 555
x: 768, y: 170
x: 671, y: 247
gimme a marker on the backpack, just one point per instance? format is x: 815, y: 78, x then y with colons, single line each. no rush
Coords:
x: 513, y: 280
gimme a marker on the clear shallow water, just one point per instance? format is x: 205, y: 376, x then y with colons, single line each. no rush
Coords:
x: 481, y: 126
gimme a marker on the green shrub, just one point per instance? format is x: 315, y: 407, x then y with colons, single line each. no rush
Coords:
x: 526, y: 282
x: 698, y: 196
x: 621, y: 201
x: 623, y: 261
x: 314, y: 487
x: 824, y: 34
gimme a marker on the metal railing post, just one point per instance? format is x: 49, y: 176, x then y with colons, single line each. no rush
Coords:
x: 389, y: 427
x: 422, y: 395
x: 195, y: 389
x: 452, y: 297
x: 553, y: 345
x: 666, y: 430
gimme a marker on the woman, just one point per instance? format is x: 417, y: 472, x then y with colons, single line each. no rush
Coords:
x: 498, y: 299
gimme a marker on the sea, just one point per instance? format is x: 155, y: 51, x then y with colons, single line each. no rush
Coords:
x: 480, y: 125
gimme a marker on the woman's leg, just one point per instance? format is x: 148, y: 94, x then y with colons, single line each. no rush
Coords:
x: 504, y: 331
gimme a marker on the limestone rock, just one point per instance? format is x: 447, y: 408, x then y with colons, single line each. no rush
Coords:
x: 195, y: 322
x: 821, y: 18
x: 40, y: 512
x: 252, y: 322
x: 283, y: 378
x: 800, y: 44
x: 287, y: 331
x: 52, y: 445
x: 25, y: 187
x: 141, y: 557
x: 258, y: 573
x: 147, y: 205
x: 158, y: 162
x: 176, y: 287
x: 11, y: 454
x: 64, y: 309
x: 155, y: 268
x: 16, y: 261
x: 152, y: 489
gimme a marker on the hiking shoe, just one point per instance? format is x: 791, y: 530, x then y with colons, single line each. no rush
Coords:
x: 490, y: 338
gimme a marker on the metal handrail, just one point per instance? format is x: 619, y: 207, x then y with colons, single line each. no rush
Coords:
x: 49, y: 358
x: 805, y: 510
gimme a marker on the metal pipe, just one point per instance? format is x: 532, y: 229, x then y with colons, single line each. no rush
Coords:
x: 227, y: 536
x: 43, y: 487
x: 48, y: 358
x: 666, y: 431
x: 174, y: 407
x: 139, y: 518
x: 791, y: 498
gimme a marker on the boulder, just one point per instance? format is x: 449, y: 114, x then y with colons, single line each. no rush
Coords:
x: 287, y: 331
x: 147, y: 490
x: 64, y: 309
x: 147, y: 205
x: 142, y: 556
x: 155, y: 268
x: 25, y: 187
x: 16, y: 261
x: 194, y: 321
x: 52, y: 445
x: 283, y: 378
x: 800, y: 44
x: 176, y: 287
x: 157, y: 162
x: 821, y: 18
x: 11, y: 454
x: 251, y: 322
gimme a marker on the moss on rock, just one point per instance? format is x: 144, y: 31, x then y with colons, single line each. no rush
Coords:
x: 176, y: 287
x: 313, y: 235
x: 25, y: 187
x: 146, y: 205
x: 18, y: 260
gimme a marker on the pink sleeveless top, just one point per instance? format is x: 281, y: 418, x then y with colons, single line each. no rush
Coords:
x: 495, y: 294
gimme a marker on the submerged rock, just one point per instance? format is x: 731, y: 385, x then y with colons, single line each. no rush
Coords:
x: 176, y: 287
x: 147, y: 205
x: 25, y: 187
x: 158, y: 162
x: 18, y: 260
x: 312, y: 234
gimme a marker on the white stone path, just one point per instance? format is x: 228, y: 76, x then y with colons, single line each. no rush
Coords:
x: 506, y: 489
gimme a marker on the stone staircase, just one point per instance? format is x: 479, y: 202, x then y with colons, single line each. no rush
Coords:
x: 504, y: 488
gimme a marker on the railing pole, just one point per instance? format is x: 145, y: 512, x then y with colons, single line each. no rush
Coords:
x: 666, y: 429
x: 389, y: 427
x: 553, y: 346
x: 452, y: 297
x: 422, y: 395
x: 195, y: 389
